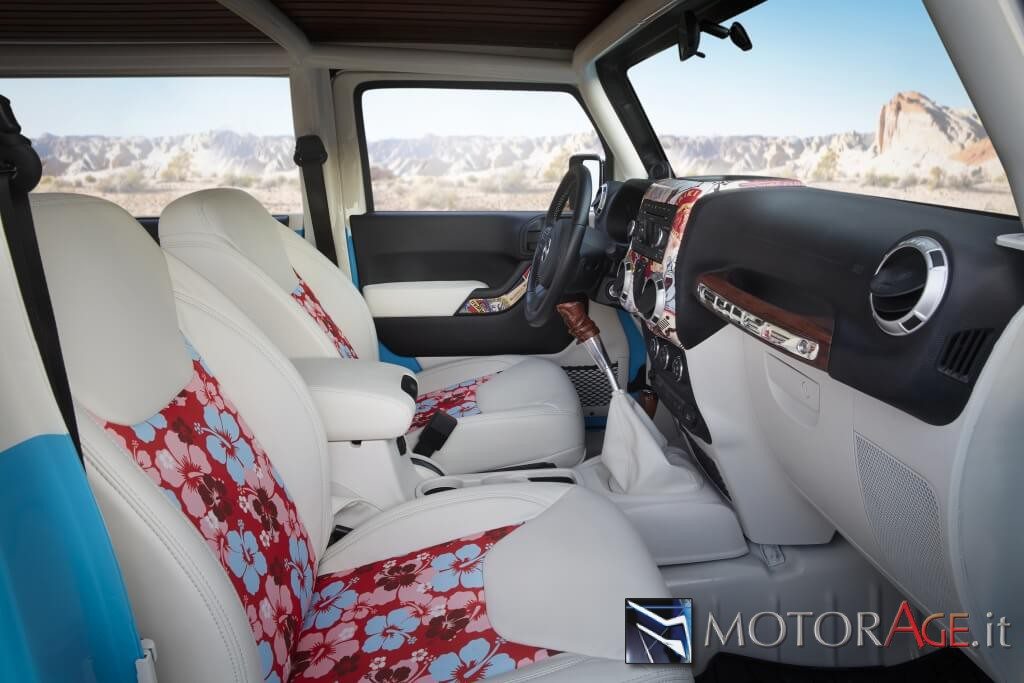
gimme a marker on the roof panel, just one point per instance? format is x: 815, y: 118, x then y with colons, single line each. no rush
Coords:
x: 131, y: 21
x: 520, y: 23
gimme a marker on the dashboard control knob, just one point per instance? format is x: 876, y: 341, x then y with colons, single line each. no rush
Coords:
x: 664, y: 357
x: 618, y: 285
x: 631, y: 229
x: 679, y: 369
x: 653, y: 347
x: 658, y: 238
x: 648, y: 299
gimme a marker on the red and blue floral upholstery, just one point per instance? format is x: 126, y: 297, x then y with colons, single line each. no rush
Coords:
x: 458, y: 400
x: 204, y: 457
x: 418, y: 617
x: 303, y: 293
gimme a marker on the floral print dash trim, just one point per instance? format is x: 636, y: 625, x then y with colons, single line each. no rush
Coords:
x: 416, y: 618
x: 458, y: 400
x: 205, y: 459
x: 307, y: 299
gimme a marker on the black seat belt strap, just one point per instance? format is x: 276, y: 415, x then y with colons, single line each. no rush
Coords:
x: 310, y: 156
x: 20, y: 170
x: 435, y: 433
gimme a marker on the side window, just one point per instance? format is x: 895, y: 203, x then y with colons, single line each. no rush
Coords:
x: 457, y: 149
x: 143, y: 142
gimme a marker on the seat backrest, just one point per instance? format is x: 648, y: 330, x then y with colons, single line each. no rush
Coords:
x: 201, y: 443
x: 229, y: 238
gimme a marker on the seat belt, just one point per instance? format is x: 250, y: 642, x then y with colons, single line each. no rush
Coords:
x: 20, y: 170
x: 310, y: 156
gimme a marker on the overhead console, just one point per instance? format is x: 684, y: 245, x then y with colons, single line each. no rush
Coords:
x: 899, y: 300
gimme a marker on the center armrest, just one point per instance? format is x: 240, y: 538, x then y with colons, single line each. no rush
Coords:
x: 360, y: 400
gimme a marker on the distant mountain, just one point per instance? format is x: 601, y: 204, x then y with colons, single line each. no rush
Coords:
x: 913, y: 136
x: 210, y: 154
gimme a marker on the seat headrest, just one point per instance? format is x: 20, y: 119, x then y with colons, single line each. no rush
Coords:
x: 114, y: 304
x: 237, y: 218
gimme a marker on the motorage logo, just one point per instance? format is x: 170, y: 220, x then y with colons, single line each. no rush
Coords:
x: 658, y: 630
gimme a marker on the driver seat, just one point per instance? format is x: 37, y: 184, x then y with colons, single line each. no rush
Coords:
x: 512, y: 411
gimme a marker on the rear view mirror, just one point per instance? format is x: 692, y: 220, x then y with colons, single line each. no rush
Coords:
x: 689, y: 36
x: 690, y: 28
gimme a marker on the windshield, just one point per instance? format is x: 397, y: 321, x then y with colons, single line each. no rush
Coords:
x: 851, y: 95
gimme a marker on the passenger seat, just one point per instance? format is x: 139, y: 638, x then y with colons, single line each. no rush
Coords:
x: 511, y: 410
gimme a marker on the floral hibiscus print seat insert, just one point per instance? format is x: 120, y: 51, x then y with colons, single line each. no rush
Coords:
x: 419, y: 617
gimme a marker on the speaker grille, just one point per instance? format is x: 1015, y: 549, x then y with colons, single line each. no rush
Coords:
x: 591, y: 384
x: 904, y: 517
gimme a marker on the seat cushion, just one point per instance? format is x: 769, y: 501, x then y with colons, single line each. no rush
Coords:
x: 421, y: 614
x: 528, y: 569
x: 512, y: 411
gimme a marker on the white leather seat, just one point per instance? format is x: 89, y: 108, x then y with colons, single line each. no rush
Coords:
x: 511, y: 410
x: 208, y: 459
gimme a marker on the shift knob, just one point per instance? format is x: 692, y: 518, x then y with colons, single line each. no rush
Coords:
x: 580, y: 325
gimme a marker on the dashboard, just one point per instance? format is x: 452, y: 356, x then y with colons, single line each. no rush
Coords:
x: 840, y: 362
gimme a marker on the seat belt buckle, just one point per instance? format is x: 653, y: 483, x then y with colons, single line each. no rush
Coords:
x: 309, y: 150
x: 435, y: 434
x: 145, y: 666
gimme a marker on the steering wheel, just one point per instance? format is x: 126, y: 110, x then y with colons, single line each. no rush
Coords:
x: 558, y: 249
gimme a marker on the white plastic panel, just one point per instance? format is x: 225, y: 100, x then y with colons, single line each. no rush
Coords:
x: 769, y: 507
x: 418, y: 299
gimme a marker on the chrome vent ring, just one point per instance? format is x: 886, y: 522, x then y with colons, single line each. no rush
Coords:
x: 909, y: 285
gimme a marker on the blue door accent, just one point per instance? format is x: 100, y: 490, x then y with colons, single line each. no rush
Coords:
x: 389, y: 356
x: 64, y: 613
x: 637, y: 348
x: 352, y: 259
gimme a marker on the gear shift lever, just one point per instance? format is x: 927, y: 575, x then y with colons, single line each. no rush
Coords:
x: 585, y: 330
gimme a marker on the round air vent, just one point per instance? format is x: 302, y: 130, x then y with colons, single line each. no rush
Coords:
x: 909, y: 285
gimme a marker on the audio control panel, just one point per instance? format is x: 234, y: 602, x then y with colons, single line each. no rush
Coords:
x: 645, y: 279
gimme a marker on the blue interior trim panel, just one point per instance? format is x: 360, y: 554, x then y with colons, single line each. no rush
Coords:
x: 64, y: 612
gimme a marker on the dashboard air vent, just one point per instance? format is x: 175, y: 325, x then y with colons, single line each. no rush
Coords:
x: 960, y: 356
x: 909, y: 285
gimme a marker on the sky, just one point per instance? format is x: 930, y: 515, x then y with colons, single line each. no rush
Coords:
x: 816, y: 67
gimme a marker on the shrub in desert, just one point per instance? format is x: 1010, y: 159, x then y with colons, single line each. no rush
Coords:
x: 237, y: 180
x: 962, y: 181
x: 514, y: 181
x: 909, y: 180
x: 90, y: 179
x: 381, y: 173
x: 936, y: 178
x: 131, y: 180
x: 827, y: 168
x: 178, y: 169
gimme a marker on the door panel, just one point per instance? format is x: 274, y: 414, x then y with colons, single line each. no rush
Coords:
x: 447, y: 248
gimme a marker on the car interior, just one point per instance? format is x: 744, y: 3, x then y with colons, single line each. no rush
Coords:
x: 532, y: 310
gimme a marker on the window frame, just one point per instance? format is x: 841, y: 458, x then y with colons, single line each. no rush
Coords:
x: 366, y: 86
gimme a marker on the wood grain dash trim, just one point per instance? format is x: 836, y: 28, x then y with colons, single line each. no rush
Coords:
x: 818, y: 330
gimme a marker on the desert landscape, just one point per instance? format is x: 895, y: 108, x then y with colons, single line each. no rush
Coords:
x: 919, y: 150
